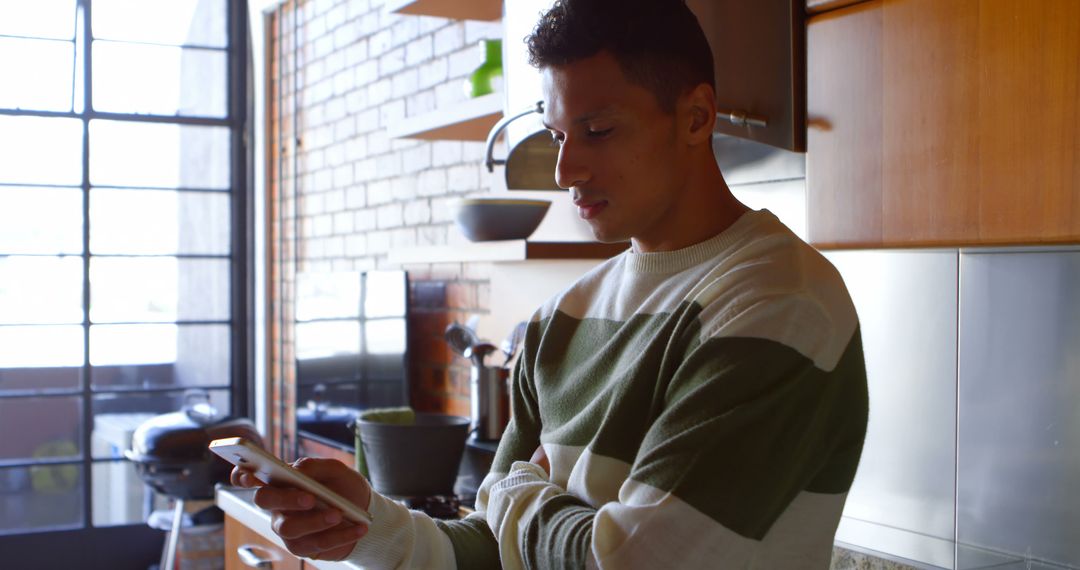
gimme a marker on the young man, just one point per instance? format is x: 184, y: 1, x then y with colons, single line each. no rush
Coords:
x: 698, y: 401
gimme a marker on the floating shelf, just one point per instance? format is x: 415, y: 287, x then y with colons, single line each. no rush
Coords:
x: 470, y: 120
x: 509, y: 250
x: 454, y: 9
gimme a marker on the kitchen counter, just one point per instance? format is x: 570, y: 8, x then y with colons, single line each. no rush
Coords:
x: 238, y: 504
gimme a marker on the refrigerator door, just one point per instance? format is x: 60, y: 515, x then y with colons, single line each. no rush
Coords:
x: 902, y: 500
x: 1018, y: 467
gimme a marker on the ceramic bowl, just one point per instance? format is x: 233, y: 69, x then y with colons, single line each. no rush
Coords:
x: 490, y: 219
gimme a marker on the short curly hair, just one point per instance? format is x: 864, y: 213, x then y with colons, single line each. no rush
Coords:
x: 659, y: 44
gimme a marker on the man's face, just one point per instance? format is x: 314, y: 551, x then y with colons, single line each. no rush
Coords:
x: 619, y: 151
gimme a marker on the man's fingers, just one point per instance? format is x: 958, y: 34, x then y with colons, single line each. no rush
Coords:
x: 299, y: 524
x: 332, y: 544
x: 283, y: 499
x: 240, y: 477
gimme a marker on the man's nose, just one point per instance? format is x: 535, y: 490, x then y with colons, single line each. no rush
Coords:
x: 572, y: 169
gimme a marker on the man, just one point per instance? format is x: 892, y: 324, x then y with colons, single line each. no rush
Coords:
x: 698, y: 401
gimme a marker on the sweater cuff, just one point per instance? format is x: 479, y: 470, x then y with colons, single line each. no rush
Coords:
x: 400, y: 538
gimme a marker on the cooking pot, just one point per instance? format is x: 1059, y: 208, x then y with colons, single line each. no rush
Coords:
x: 170, y: 451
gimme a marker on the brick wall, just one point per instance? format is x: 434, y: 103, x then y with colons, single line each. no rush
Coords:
x: 343, y: 193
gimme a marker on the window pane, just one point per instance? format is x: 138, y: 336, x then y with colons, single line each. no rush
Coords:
x: 42, y: 497
x: 38, y: 150
x: 39, y: 347
x: 38, y: 19
x: 119, y: 494
x: 40, y: 290
x: 159, y: 222
x: 161, y: 80
x: 47, y: 427
x: 122, y: 411
x: 158, y: 155
x: 385, y: 294
x: 159, y: 356
x: 327, y: 295
x: 158, y: 289
x: 174, y: 22
x: 40, y: 220
x: 36, y: 74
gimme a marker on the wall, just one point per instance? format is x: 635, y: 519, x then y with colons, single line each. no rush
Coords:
x: 342, y: 193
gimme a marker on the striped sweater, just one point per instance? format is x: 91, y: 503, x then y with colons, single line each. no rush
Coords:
x: 700, y: 408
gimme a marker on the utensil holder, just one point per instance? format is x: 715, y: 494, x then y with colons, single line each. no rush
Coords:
x: 490, y: 403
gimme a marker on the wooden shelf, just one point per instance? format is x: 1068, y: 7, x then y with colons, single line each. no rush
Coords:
x: 509, y: 250
x: 487, y: 10
x: 470, y: 120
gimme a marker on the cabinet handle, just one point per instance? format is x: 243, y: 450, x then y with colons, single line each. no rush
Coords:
x: 248, y: 557
x: 741, y: 119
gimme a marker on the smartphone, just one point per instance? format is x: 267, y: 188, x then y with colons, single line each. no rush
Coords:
x: 271, y: 470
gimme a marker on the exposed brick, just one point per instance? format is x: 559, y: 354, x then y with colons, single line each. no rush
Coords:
x: 355, y: 149
x: 379, y: 42
x: 432, y: 182
x: 344, y: 81
x: 378, y: 142
x: 378, y: 192
x: 431, y: 235
x: 403, y: 237
x: 443, y: 210
x: 323, y: 225
x: 334, y: 246
x: 405, y: 83
x: 404, y: 187
x: 378, y: 242
x: 357, y: 52
x: 419, y: 50
x: 357, y: 8
x: 364, y: 220
x: 343, y: 176
x: 344, y: 130
x: 356, y: 244
x: 464, y: 62
x: 447, y: 94
x: 417, y: 159
x: 379, y: 92
x: 335, y: 62
x: 434, y: 72
x: 355, y: 198
x: 390, y: 216
x: 365, y: 169
x: 335, y: 155
x: 366, y: 72
x: 369, y: 23
x: 392, y: 112
x: 389, y: 165
x: 417, y: 212
x: 463, y: 178
x: 355, y: 101
x: 392, y: 62
x: 405, y: 30
x: 477, y: 30
x: 445, y: 153
x: 324, y: 180
x: 448, y: 39
x: 368, y: 122
x: 335, y: 109
x: 420, y: 103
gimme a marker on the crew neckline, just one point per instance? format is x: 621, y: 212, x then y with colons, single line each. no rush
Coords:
x: 680, y: 259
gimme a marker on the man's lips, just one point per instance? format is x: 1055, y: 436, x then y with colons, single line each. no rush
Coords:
x: 589, y: 209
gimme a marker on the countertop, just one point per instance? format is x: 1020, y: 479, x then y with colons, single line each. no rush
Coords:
x: 237, y: 503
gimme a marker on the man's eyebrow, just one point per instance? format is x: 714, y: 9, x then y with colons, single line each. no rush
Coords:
x: 586, y: 117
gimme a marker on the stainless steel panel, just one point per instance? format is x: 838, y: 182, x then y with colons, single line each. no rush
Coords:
x: 907, y: 309
x: 1019, y: 404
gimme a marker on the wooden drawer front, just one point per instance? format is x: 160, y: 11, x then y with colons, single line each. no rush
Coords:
x: 238, y: 536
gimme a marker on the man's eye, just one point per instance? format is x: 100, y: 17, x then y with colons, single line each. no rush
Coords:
x: 599, y: 134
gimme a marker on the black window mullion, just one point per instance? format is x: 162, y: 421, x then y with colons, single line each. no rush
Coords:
x: 242, y: 237
x: 87, y: 401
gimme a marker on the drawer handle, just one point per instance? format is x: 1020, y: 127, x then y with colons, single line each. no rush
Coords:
x: 741, y: 119
x: 247, y: 556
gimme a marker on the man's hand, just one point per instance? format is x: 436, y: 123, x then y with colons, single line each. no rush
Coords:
x: 540, y: 458
x: 319, y: 533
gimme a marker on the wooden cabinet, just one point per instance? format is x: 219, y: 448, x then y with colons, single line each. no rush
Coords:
x: 244, y: 548
x: 944, y: 122
x: 760, y: 60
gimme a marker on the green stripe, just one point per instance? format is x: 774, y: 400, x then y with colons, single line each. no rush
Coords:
x: 474, y: 545
x: 750, y: 424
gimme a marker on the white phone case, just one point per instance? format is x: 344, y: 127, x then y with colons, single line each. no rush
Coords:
x: 271, y: 470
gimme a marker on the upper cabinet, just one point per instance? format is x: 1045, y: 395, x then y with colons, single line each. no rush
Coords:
x: 759, y: 53
x: 944, y: 122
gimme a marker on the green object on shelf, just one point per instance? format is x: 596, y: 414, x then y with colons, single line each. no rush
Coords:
x: 398, y: 416
x: 484, y: 79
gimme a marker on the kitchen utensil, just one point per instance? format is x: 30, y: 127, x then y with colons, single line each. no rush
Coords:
x: 489, y: 219
x: 478, y: 352
x: 510, y: 344
x: 460, y: 337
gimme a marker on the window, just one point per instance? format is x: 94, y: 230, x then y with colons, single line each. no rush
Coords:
x: 123, y: 241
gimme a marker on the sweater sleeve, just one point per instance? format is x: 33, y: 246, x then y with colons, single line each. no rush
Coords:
x: 747, y: 425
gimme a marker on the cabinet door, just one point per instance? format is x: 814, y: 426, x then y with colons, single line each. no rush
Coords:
x: 245, y: 547
x: 944, y: 122
x: 760, y: 61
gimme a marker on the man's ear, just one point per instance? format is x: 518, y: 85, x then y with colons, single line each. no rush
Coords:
x: 700, y: 111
